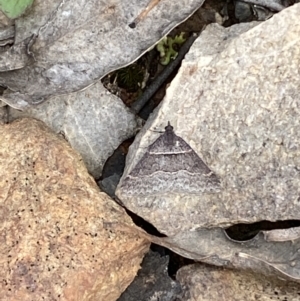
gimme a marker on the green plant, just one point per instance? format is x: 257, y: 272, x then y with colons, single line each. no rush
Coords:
x: 166, y: 50
x: 131, y: 77
x: 14, y: 8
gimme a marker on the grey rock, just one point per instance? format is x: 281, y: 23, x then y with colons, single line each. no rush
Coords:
x: 64, y: 46
x: 275, y: 5
x: 206, y: 283
x: 243, y: 11
x: 3, y: 114
x: 246, y: 12
x: 265, y: 254
x: 235, y: 102
x: 94, y: 122
x: 109, y: 184
x: 152, y: 281
x: 290, y: 234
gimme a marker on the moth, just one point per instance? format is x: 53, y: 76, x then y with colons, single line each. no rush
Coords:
x: 170, y: 165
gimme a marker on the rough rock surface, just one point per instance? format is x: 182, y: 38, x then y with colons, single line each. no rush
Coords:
x: 235, y: 102
x: 152, y: 282
x: 94, y: 121
x: 207, y: 283
x: 65, y: 46
x: 266, y: 253
x: 54, y: 242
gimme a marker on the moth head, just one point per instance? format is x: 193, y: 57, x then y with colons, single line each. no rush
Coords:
x: 169, y: 128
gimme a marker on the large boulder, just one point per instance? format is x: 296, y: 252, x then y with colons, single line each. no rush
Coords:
x: 55, y: 243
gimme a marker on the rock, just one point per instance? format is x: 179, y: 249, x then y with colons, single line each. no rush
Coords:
x: 206, y: 283
x: 269, y: 252
x: 3, y: 115
x: 235, y: 102
x: 85, y: 120
x: 55, y: 244
x: 109, y: 184
x: 63, y: 47
x: 152, y: 281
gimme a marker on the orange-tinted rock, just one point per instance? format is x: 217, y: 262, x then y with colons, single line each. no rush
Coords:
x: 54, y: 243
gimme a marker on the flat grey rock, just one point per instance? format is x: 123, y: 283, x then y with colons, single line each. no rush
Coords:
x: 94, y: 121
x: 235, y: 102
x: 206, y: 283
x: 152, y: 281
x: 64, y: 46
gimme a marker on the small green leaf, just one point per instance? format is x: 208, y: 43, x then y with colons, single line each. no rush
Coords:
x: 14, y: 8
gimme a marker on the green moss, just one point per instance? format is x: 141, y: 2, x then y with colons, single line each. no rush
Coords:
x: 131, y: 77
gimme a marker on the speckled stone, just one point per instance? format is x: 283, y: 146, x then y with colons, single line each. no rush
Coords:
x: 54, y: 243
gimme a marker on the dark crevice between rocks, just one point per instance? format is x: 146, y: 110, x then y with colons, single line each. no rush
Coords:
x: 140, y: 222
x: 115, y: 166
x: 113, y: 169
x: 175, y: 261
x: 243, y: 232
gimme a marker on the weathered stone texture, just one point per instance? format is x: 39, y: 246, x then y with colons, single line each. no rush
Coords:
x: 54, y: 243
x: 207, y: 283
x: 235, y: 101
